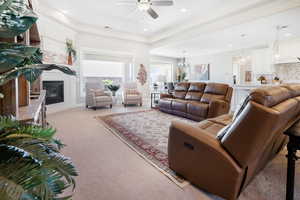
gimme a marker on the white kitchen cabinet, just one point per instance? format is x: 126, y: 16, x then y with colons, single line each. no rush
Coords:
x: 289, y: 51
x: 262, y: 61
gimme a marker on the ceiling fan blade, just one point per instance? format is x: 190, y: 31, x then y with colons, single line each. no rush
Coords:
x: 152, y: 13
x: 130, y: 3
x: 162, y: 3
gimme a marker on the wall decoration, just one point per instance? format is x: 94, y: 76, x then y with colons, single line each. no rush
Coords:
x: 142, y: 75
x: 71, y: 52
x: 248, y: 76
x: 202, y: 72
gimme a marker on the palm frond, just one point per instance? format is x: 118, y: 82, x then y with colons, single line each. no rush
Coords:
x: 57, y: 170
x: 17, y: 55
x: 32, y: 72
x: 6, y: 123
x: 10, y: 190
x: 28, y: 168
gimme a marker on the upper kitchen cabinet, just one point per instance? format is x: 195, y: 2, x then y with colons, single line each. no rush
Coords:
x: 262, y: 61
x: 289, y: 51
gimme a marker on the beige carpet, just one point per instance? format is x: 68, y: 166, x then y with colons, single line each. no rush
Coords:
x: 109, y: 170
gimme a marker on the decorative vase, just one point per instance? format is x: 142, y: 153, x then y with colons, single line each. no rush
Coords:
x: 70, y: 59
x: 113, y: 93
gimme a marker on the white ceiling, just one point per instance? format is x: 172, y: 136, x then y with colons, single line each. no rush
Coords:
x: 260, y: 32
x: 102, y: 13
x: 207, y: 27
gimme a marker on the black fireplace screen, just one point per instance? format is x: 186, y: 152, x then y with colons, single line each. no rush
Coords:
x: 54, y: 91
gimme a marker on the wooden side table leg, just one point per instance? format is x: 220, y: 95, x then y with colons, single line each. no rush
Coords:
x: 290, y: 172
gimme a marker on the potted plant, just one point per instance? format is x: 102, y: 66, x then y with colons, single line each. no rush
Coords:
x: 31, y: 165
x: 262, y: 80
x: 113, y: 88
x: 109, y: 84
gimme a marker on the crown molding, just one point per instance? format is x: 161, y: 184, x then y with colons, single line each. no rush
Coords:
x: 47, y: 11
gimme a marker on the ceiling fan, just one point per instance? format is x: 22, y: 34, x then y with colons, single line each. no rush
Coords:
x: 146, y: 5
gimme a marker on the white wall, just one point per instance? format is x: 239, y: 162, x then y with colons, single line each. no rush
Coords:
x: 102, y: 45
x: 163, y: 59
x: 54, y: 36
x: 220, y: 66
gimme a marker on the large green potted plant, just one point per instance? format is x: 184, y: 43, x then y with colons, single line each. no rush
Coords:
x: 31, y: 166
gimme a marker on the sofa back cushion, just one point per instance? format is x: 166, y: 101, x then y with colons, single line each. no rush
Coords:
x: 180, y: 90
x: 260, y: 123
x: 215, y: 91
x: 195, y: 91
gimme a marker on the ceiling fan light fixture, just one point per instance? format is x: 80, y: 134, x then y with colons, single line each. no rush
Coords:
x: 144, y: 5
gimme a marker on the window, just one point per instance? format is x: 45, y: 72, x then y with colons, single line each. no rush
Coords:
x: 161, y: 72
x: 94, y: 68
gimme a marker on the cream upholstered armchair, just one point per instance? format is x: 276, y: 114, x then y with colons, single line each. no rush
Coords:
x: 131, y: 95
x: 96, y: 96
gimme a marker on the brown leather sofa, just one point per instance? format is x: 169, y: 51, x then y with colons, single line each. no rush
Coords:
x: 197, y: 101
x: 222, y: 155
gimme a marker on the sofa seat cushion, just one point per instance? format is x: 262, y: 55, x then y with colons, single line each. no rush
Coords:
x: 179, y: 94
x: 211, y: 127
x: 133, y: 97
x: 179, y: 105
x: 103, y: 99
x: 166, y: 103
x: 207, y: 98
x: 223, y: 119
x: 197, y: 108
x: 195, y: 96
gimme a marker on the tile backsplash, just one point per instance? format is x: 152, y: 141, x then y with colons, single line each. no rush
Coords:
x: 288, y: 71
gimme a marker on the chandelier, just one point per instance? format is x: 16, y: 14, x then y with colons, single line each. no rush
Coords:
x: 184, y: 62
x: 276, y: 45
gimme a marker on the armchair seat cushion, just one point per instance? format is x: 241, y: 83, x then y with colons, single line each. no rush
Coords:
x: 197, y: 108
x: 133, y: 97
x: 179, y: 105
x: 103, y: 99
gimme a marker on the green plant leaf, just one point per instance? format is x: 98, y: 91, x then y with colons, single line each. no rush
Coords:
x: 9, y: 190
x: 15, y: 18
x: 16, y: 55
x: 32, y: 72
x: 41, y: 171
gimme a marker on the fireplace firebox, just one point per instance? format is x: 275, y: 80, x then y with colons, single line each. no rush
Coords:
x: 54, y: 91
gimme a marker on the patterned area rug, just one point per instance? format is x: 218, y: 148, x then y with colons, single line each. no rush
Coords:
x: 146, y: 132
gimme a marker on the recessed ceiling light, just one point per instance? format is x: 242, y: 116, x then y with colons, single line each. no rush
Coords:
x: 145, y: 29
x: 183, y: 10
x: 65, y: 11
x: 107, y: 27
x: 288, y: 34
x: 243, y: 35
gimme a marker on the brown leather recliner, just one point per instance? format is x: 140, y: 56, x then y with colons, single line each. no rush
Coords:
x: 224, y: 154
x: 197, y: 101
